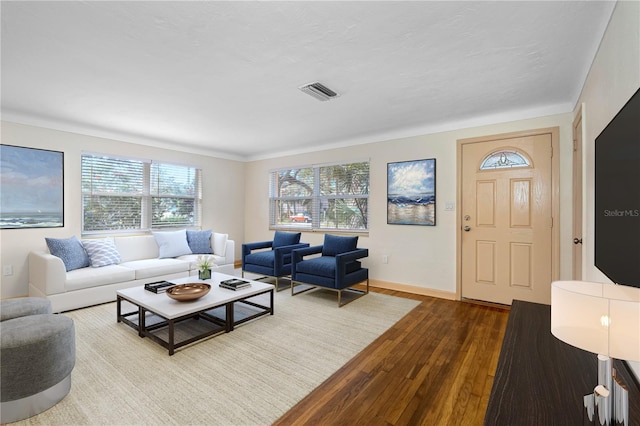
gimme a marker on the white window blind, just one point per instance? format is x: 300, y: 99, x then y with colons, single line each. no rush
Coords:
x: 322, y: 197
x: 175, y: 192
x: 120, y: 194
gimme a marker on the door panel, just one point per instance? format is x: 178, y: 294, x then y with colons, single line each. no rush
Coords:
x: 521, y: 203
x: 486, y: 203
x: 506, y: 213
x: 520, y: 271
x: 486, y: 262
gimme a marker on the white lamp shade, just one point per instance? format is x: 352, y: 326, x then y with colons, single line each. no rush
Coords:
x: 624, y: 331
x: 597, y: 317
x: 576, y: 311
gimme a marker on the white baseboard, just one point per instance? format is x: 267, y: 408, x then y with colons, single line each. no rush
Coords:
x: 413, y: 289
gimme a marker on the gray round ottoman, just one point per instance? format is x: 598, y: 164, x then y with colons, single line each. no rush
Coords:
x: 23, y: 306
x: 38, y: 353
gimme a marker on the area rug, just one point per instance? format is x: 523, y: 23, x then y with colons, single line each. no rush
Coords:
x: 250, y: 376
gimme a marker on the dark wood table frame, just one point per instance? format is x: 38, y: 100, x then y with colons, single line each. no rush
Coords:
x: 220, y: 324
x: 541, y: 380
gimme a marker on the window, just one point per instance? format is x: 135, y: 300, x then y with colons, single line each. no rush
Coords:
x: 504, y: 160
x: 120, y: 194
x: 322, y: 197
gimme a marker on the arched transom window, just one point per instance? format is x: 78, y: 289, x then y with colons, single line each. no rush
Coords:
x: 504, y: 159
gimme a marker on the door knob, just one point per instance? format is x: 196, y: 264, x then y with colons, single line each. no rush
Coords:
x: 577, y: 241
x: 467, y: 228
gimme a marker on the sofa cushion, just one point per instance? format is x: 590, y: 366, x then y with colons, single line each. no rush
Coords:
x: 95, y: 277
x: 281, y: 239
x: 334, y: 245
x: 220, y: 244
x: 262, y: 258
x: 199, y: 242
x: 102, y: 252
x: 172, y: 244
x: 147, y: 268
x: 70, y: 250
x: 137, y: 247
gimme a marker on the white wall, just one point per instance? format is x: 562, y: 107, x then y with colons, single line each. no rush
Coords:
x: 222, y: 199
x: 613, y: 79
x: 423, y: 257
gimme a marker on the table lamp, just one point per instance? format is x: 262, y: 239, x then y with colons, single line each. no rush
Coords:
x: 604, y: 319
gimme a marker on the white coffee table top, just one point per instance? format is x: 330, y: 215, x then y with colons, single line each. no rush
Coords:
x: 169, y: 308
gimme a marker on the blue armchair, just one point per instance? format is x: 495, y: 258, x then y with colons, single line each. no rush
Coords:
x: 275, y: 262
x: 336, y: 269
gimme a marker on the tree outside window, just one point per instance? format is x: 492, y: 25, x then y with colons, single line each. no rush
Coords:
x: 127, y: 195
x: 323, y: 197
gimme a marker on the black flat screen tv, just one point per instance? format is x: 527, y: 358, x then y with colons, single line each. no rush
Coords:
x: 617, y: 196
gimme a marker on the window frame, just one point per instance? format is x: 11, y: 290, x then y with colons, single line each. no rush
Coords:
x: 316, y: 199
x: 146, y: 195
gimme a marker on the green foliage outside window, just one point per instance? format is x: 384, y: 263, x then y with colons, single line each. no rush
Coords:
x: 120, y: 194
x: 321, y: 197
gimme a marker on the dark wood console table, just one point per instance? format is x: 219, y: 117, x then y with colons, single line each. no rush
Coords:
x: 541, y: 380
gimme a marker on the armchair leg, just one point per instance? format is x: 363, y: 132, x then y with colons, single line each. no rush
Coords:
x: 359, y: 292
x: 295, y: 293
x: 278, y: 288
x: 268, y: 277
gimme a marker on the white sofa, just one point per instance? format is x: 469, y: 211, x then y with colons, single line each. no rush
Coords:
x: 139, y: 265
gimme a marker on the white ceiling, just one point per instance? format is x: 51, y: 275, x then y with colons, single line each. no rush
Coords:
x: 222, y: 77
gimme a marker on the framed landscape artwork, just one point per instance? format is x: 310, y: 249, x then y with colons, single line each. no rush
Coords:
x: 32, y: 193
x: 411, y: 192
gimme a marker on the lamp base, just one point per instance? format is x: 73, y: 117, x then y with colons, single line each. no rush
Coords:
x: 620, y: 403
x: 608, y: 405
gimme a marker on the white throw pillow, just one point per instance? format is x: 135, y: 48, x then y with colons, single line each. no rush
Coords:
x: 219, y: 244
x: 102, y: 252
x: 172, y: 244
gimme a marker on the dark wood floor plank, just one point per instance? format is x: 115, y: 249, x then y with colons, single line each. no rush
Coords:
x: 435, y: 366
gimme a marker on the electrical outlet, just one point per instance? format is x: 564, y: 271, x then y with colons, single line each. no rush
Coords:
x: 385, y: 258
x: 7, y: 270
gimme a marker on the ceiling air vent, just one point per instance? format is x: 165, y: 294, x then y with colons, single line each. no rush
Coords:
x: 318, y: 91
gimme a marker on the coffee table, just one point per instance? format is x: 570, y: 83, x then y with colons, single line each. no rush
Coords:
x: 174, y: 324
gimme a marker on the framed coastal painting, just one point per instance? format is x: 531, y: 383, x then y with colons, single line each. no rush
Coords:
x: 32, y: 193
x: 411, y: 192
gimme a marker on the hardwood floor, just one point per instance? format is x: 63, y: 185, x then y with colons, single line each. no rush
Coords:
x: 434, y: 367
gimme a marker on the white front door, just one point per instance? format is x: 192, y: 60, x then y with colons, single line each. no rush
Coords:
x: 506, y: 218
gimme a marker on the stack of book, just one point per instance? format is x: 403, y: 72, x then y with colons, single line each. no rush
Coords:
x: 234, y: 284
x: 158, y: 286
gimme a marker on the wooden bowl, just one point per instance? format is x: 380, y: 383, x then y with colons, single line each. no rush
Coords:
x: 188, y: 292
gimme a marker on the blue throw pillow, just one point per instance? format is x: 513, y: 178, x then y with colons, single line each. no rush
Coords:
x: 199, y: 241
x: 281, y: 239
x: 71, y: 252
x: 334, y: 245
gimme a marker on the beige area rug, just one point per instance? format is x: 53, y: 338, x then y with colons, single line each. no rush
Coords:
x: 250, y: 376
